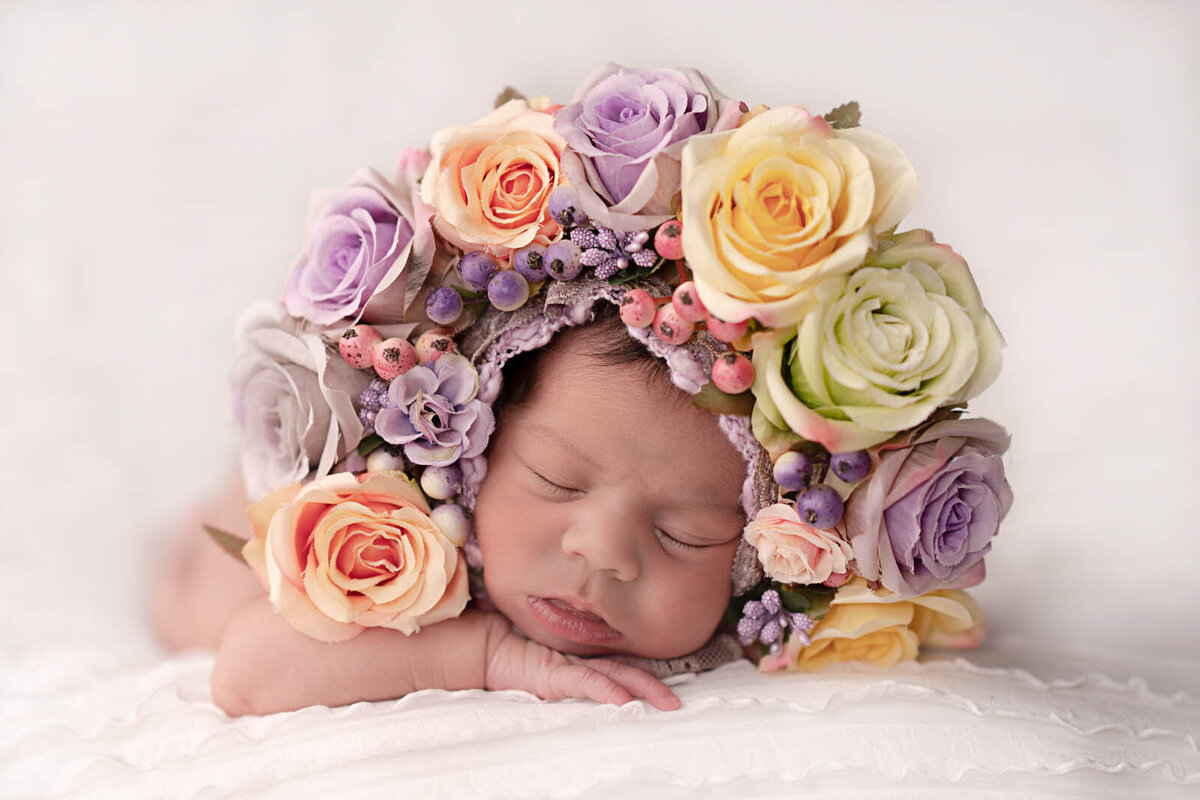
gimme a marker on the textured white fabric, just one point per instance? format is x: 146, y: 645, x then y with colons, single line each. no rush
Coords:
x: 156, y: 160
x: 947, y: 728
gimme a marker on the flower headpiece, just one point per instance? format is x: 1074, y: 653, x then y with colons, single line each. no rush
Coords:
x: 755, y: 250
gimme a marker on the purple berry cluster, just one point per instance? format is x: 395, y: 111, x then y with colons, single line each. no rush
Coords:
x: 766, y: 620
x: 373, y: 399
x: 819, y: 504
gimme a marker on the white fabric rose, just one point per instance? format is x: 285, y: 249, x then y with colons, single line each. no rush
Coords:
x: 293, y: 395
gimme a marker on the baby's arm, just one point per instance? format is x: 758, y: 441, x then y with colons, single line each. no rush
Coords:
x: 264, y: 665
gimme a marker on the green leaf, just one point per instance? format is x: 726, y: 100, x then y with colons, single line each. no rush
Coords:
x: 229, y: 542
x: 632, y: 274
x: 792, y: 601
x: 714, y: 401
x: 370, y: 444
x: 847, y: 115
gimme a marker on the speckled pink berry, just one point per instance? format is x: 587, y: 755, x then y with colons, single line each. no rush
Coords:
x: 356, y: 343
x: 670, y: 327
x: 637, y: 308
x: 392, y: 358
x: 667, y: 240
x: 725, y: 331
x: 687, y: 302
x: 732, y: 373
x: 433, y: 343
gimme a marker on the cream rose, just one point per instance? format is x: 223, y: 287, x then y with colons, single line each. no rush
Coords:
x: 880, y: 349
x: 793, y: 552
x: 490, y: 181
x: 779, y: 204
x: 345, y: 553
x: 882, y: 628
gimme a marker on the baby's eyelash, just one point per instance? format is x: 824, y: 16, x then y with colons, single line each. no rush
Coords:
x: 552, y: 486
x: 671, y: 541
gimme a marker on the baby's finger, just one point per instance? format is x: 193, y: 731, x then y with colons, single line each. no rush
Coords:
x: 637, y: 682
x: 578, y: 681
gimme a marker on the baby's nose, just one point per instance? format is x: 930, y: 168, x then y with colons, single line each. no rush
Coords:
x: 608, y: 543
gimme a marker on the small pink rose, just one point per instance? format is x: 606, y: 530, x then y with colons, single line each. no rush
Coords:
x: 793, y: 552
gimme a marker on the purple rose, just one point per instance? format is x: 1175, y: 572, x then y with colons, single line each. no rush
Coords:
x: 368, y: 249
x: 625, y: 131
x: 293, y: 396
x: 432, y: 410
x: 926, y: 516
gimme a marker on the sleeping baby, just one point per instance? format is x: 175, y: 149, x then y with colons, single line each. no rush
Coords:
x: 590, y: 395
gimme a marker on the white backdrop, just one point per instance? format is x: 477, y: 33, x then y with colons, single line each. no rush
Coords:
x: 156, y: 159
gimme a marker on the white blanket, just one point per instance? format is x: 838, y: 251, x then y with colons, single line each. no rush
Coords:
x: 92, y: 727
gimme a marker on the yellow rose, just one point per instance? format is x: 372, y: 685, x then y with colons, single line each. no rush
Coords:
x: 782, y: 202
x: 345, y: 553
x: 877, y: 627
x: 490, y: 181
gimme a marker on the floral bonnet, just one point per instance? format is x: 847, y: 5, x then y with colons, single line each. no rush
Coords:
x: 755, y: 250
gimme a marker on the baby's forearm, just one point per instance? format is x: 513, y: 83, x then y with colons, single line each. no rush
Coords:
x: 264, y: 665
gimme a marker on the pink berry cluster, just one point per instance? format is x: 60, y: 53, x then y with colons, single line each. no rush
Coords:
x: 363, y: 347
x: 676, y: 318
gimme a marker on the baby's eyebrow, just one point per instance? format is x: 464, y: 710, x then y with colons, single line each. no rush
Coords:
x: 706, y: 502
x: 558, y: 439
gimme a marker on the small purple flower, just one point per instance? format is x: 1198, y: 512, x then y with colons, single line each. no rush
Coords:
x: 433, y: 412
x: 767, y: 621
x: 609, y: 251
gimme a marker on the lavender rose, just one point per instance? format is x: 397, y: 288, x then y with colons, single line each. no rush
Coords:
x: 926, y: 517
x: 433, y: 411
x: 625, y: 130
x: 293, y: 397
x: 368, y: 249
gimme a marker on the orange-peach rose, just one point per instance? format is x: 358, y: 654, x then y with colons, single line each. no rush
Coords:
x: 490, y: 181
x: 793, y: 552
x: 345, y: 553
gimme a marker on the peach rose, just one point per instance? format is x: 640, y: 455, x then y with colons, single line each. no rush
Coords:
x: 346, y: 553
x: 490, y: 181
x: 784, y: 201
x: 793, y: 552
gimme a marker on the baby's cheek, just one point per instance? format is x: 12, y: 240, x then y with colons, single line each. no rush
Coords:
x: 692, y: 602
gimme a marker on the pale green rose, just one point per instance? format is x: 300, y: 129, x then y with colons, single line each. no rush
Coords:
x: 881, y: 349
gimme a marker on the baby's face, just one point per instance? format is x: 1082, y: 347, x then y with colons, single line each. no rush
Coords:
x: 610, y: 514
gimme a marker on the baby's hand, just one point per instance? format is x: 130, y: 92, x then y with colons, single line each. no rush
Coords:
x: 518, y: 663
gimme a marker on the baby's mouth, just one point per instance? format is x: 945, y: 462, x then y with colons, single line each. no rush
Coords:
x: 566, y: 606
x: 566, y: 619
